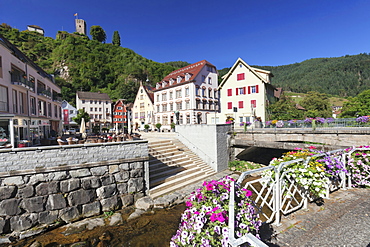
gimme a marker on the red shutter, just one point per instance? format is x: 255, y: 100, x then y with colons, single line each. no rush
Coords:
x: 253, y: 103
x: 249, y: 89
x: 241, y: 104
x: 229, y: 105
x: 240, y: 76
x: 229, y: 92
x: 245, y: 92
x: 236, y: 91
x: 256, y: 88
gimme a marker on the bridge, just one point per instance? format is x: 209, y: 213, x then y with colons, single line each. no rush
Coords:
x: 289, y: 138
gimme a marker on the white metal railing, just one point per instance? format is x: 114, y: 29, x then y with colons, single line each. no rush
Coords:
x: 281, y: 194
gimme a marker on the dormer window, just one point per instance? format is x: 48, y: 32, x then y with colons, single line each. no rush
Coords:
x: 187, y: 76
x: 157, y: 86
x: 179, y: 79
x: 171, y: 82
x: 164, y: 83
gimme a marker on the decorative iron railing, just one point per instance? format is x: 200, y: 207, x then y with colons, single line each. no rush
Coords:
x: 280, y: 194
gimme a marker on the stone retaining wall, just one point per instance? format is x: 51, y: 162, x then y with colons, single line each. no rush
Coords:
x: 49, y: 184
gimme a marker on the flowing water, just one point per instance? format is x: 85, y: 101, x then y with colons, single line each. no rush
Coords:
x: 153, y: 229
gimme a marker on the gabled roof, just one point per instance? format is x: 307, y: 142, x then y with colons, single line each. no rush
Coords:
x: 253, y: 70
x: 92, y: 96
x: 149, y: 92
x: 34, y: 26
x: 192, y: 69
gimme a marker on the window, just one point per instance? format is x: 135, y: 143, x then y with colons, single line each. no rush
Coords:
x: 96, y: 109
x: 229, y: 92
x: 216, y: 94
x: 204, y: 78
x: 142, y: 106
x: 15, y: 101
x: 158, y: 97
x: 209, y: 80
x: 179, y: 106
x: 1, y: 68
x: 141, y: 97
x: 56, y: 111
x: 3, y: 99
x: 229, y: 105
x: 253, y: 89
x: 240, y: 76
x: 91, y: 109
x: 179, y: 78
x: 33, y: 105
x: 164, y: 107
x: 187, y: 76
x: 197, y: 91
x: 203, y: 92
x: 171, y: 107
x: 164, y: 97
x: 119, y: 108
x: 91, y: 101
x: 70, y: 111
x: 22, y: 105
x: 171, y: 95
x: 158, y: 108
x: 210, y: 93
x: 42, y: 108
x: 178, y: 94
x: 99, y: 101
x: 240, y: 104
x: 136, y: 115
x: 188, y: 119
x: 240, y: 90
x: 49, y: 109
x: 187, y: 105
x: 197, y: 103
x: 253, y: 103
x: 83, y: 101
x: 211, y: 105
x: 107, y: 110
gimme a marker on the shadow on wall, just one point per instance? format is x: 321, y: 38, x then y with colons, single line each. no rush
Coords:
x: 260, y: 155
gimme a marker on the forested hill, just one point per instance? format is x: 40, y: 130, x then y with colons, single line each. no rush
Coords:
x: 338, y: 76
x: 79, y: 63
x: 341, y: 76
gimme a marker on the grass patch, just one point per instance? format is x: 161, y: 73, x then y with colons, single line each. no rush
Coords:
x: 242, y: 166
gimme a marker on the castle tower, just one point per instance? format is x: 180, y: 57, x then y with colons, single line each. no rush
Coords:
x: 80, y: 26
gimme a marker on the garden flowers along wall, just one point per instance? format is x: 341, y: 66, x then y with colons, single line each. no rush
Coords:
x: 304, y: 173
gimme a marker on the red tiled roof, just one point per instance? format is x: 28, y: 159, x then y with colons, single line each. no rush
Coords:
x: 192, y: 69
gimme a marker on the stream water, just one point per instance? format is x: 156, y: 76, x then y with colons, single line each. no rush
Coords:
x: 153, y: 229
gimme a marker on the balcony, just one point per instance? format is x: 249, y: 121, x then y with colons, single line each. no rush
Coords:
x: 44, y: 92
x: 23, y: 82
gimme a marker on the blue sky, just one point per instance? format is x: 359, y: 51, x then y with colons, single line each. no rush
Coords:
x: 268, y: 32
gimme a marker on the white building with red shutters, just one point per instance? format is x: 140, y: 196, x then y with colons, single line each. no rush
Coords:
x: 187, y: 95
x: 245, y: 93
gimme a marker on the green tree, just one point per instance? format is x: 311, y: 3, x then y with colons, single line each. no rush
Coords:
x: 98, y: 33
x: 116, y: 38
x: 80, y: 115
x: 357, y: 106
x: 284, y: 109
x: 316, y: 105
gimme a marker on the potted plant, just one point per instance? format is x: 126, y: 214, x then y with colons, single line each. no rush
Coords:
x: 158, y: 126
x: 173, y: 126
x: 146, y: 127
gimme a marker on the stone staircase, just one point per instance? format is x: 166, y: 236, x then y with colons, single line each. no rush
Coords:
x: 173, y: 166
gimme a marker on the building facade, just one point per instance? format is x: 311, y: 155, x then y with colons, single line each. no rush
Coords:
x: 142, y: 110
x: 69, y: 112
x: 30, y: 105
x: 187, y: 95
x: 122, y: 116
x: 245, y: 94
x: 98, y: 106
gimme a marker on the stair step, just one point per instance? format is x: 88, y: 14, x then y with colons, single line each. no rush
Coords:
x: 166, y: 188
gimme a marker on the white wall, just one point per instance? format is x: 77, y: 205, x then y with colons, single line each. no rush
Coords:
x: 209, y: 142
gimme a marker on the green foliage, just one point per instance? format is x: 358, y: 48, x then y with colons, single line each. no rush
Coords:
x: 158, y: 126
x: 81, y: 64
x: 284, y: 109
x: 357, y: 106
x: 146, y: 126
x: 116, y: 38
x: 173, y: 125
x: 98, y: 33
x: 242, y: 166
x: 343, y: 76
x: 316, y: 105
x: 80, y: 115
x: 177, y: 64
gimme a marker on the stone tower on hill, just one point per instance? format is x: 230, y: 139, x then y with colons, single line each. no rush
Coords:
x: 80, y: 26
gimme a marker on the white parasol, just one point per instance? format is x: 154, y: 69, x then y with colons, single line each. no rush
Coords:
x: 117, y: 132
x: 83, y: 128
